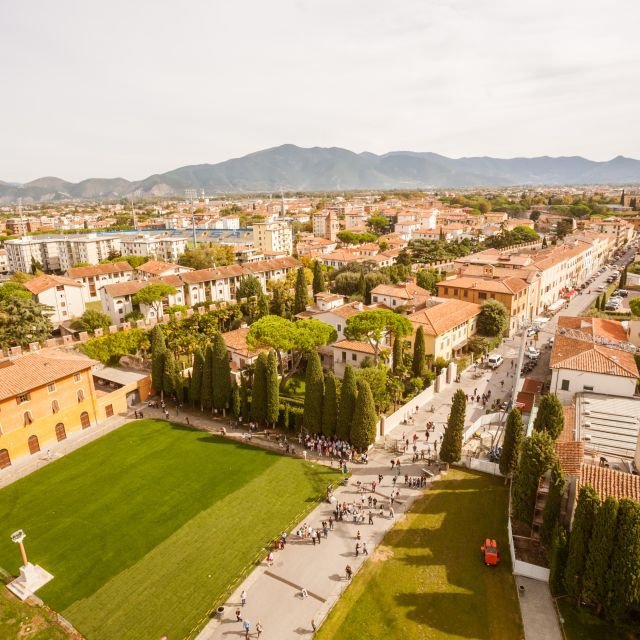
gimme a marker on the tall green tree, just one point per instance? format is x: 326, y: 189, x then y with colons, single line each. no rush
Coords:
x: 318, y: 278
x: 263, y: 305
x: 398, y: 355
x: 236, y: 401
x: 362, y: 287
x: 624, y: 573
x: 493, y: 319
x: 279, y: 300
x: 419, y: 353
x: 595, y: 582
x: 314, y: 393
x: 169, y: 374
x: 581, y: 529
x: 23, y: 321
x: 550, y: 416
x: 330, y: 405
x: 301, y: 295
x: 347, y: 406
x: 245, y: 405
x: 158, y: 355
x: 551, y: 511
x: 365, y: 418
x: 273, y: 389
x: 451, y: 447
x: 536, y: 457
x: 206, y: 389
x: 558, y: 560
x: 512, y: 443
x: 195, y: 388
x: 91, y: 320
x: 154, y: 295
x: 157, y: 339
x: 220, y: 373
x: 259, y: 390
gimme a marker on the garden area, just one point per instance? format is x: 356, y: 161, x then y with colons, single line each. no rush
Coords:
x: 428, y: 580
x: 141, y: 527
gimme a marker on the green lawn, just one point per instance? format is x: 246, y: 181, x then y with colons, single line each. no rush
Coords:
x: 21, y: 620
x: 147, y: 528
x: 427, y: 580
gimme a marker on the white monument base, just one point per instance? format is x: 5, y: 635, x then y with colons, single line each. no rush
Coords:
x: 32, y: 577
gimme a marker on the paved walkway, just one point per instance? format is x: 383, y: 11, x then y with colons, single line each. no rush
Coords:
x: 539, y: 614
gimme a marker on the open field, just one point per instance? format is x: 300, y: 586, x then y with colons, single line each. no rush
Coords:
x: 147, y: 528
x: 427, y: 580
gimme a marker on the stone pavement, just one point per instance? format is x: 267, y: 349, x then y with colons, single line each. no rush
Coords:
x: 539, y: 615
x: 274, y: 593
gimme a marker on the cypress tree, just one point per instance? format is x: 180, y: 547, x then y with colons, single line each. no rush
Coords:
x: 330, y: 405
x: 245, y: 405
x: 156, y: 339
x: 220, y: 373
x: 169, y: 374
x: 273, y: 389
x: 511, y: 444
x: 278, y: 302
x: 347, y: 405
x: 551, y: 511
x: 259, y: 390
x: 398, y: 351
x: 300, y: 300
x: 285, y: 416
x: 550, y: 416
x: 419, y: 351
x: 158, y: 356
x: 558, y: 560
x: 206, y: 389
x: 595, y: 582
x: 314, y: 393
x: 624, y: 572
x: 536, y: 456
x: 586, y: 509
x: 451, y: 448
x: 263, y: 305
x: 195, y: 388
x: 362, y: 287
x: 365, y: 418
x: 318, y: 278
x: 236, y: 401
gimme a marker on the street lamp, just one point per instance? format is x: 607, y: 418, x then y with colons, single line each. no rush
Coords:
x: 31, y: 577
x: 18, y: 537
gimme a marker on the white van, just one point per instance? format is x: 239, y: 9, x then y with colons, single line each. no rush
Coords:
x: 495, y: 360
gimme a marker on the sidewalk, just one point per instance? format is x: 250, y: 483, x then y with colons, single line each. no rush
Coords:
x: 539, y: 615
x: 274, y: 593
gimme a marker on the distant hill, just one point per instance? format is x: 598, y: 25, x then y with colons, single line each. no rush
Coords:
x: 333, y: 169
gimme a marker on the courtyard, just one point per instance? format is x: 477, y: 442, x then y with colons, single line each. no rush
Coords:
x: 427, y: 579
x: 151, y: 526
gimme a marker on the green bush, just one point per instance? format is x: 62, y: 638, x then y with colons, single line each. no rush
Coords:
x: 109, y: 349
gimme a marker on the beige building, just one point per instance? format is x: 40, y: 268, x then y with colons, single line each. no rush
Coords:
x: 273, y: 237
x: 93, y: 278
x: 63, y: 295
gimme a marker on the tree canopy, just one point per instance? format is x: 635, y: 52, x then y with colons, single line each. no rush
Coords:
x: 373, y: 326
x: 207, y: 256
x: 512, y: 443
x: 550, y: 416
x: 153, y: 295
x: 493, y: 319
x: 91, y: 320
x: 23, y: 321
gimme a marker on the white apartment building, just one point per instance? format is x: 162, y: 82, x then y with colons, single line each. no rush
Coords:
x: 63, y: 295
x: 4, y: 261
x: 95, y: 277
x: 157, y: 247
x: 273, y: 237
x: 326, y: 225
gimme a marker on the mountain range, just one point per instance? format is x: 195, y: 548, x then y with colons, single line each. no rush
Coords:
x: 295, y: 168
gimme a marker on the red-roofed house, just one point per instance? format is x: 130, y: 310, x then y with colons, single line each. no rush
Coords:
x: 63, y: 295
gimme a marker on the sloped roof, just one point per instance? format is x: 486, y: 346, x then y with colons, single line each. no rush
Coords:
x: 354, y: 345
x: 509, y: 284
x: 157, y: 267
x: 609, y: 482
x: 570, y: 456
x: 236, y: 340
x: 42, y: 283
x: 404, y: 291
x: 444, y: 316
x: 99, y: 269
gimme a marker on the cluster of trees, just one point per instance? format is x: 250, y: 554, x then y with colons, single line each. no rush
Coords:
x: 207, y: 256
x: 451, y: 447
x: 351, y: 237
x: 427, y: 251
x: 598, y: 562
x: 517, y: 235
x: 493, y: 319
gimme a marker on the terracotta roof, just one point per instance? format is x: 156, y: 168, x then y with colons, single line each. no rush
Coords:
x: 238, y: 270
x: 343, y: 255
x: 156, y: 267
x: 569, y: 430
x: 99, y: 269
x: 571, y: 456
x: 354, y: 345
x: 237, y: 341
x: 444, y: 316
x: 405, y: 291
x: 509, y: 285
x: 133, y: 286
x: 34, y: 370
x: 570, y: 351
x: 609, y: 482
x: 42, y: 283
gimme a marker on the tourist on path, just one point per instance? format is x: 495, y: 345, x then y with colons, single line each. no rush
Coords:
x: 243, y: 597
x: 348, y: 571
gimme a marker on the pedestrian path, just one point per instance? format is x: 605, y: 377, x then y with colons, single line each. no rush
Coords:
x: 539, y: 615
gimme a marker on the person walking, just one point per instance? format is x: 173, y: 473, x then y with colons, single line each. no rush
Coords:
x: 238, y: 615
x: 243, y: 597
x: 357, y: 549
x: 348, y: 571
x: 246, y: 625
x: 370, y: 518
x: 313, y: 626
x: 259, y: 628
x: 365, y: 551
x: 304, y: 593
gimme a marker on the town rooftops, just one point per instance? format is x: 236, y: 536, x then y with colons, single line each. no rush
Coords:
x: 570, y: 456
x: 404, y: 291
x: 157, y: 268
x: 508, y: 285
x: 133, y: 286
x: 581, y: 345
x: 609, y: 482
x: 34, y: 370
x: 236, y: 340
x: 99, y: 269
x: 42, y: 283
x: 444, y: 316
x: 239, y: 270
x: 354, y: 345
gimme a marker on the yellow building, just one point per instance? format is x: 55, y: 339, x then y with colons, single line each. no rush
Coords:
x: 47, y: 396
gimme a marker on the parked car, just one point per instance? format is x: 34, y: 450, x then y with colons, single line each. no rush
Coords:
x: 623, y: 293
x: 495, y: 360
x: 532, y: 352
x: 600, y: 288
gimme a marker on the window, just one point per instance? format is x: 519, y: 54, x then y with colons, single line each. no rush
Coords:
x: 80, y: 395
x: 482, y: 296
x: 587, y: 388
x: 85, y: 421
x: 23, y: 397
x: 108, y: 410
x: 375, y: 298
x: 564, y: 385
x: 339, y: 328
x: 34, y: 444
x: 5, y: 459
x: 76, y: 377
x: 28, y: 418
x: 61, y: 433
x: 354, y: 357
x: 51, y: 387
x: 55, y: 407
x: 344, y: 356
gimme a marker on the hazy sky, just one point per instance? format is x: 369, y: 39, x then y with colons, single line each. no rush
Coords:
x: 110, y: 88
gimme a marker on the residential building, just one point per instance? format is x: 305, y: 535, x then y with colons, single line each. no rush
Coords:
x: 93, y: 278
x: 353, y: 353
x: 240, y: 354
x: 17, y: 226
x: 157, y: 247
x: 158, y: 269
x: 447, y: 326
x: 590, y: 354
x: 4, y: 261
x: 406, y: 295
x: 62, y: 295
x: 326, y: 225
x: 273, y: 236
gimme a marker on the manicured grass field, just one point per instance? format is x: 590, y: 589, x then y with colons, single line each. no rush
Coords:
x: 148, y: 527
x: 427, y: 580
